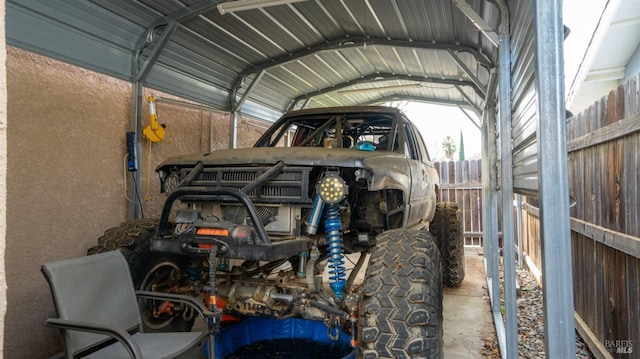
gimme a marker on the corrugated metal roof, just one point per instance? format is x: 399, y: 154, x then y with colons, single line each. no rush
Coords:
x: 299, y: 51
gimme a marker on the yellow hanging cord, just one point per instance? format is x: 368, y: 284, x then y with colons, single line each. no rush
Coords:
x: 170, y: 130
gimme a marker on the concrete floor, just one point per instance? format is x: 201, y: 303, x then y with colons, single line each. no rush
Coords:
x: 468, y: 323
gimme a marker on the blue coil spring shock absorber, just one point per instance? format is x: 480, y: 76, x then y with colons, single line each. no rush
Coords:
x: 333, y: 229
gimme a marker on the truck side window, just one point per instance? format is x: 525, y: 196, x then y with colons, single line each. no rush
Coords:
x: 423, y: 148
x: 410, y: 141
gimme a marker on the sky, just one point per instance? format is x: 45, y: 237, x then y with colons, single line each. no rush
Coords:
x: 436, y: 122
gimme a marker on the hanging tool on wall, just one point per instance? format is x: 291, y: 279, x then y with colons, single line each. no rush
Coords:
x: 154, y: 132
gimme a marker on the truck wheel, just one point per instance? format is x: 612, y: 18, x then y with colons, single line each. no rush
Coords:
x: 132, y: 239
x: 147, y: 269
x: 164, y: 274
x: 446, y: 226
x: 401, y: 306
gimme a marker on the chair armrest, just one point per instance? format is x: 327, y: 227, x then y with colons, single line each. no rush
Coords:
x: 191, y: 301
x: 120, y: 335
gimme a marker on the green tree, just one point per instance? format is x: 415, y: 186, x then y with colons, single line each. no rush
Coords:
x: 461, y: 151
x: 449, y: 147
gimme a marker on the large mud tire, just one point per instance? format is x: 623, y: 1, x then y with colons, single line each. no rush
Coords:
x: 401, y: 307
x: 132, y: 239
x: 446, y: 226
x: 149, y: 271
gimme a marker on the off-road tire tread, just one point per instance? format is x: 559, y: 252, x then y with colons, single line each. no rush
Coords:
x: 132, y: 239
x: 401, y: 307
x: 446, y: 226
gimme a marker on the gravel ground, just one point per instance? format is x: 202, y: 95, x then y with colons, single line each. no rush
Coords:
x: 531, y: 322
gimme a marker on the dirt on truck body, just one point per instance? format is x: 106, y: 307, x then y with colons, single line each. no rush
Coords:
x: 256, y: 228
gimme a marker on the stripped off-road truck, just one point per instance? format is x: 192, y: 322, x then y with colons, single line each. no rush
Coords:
x: 256, y: 228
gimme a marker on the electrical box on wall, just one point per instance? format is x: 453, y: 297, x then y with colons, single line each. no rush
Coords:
x: 131, y: 151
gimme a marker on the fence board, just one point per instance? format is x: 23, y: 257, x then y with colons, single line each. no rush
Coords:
x: 632, y: 96
x: 602, y: 116
x: 530, y: 233
x: 589, y: 286
x: 620, y: 94
x: 600, y: 305
x: 609, y: 303
x: 624, y: 127
x: 621, y: 305
x: 452, y: 171
x: 579, y: 187
x: 588, y: 195
x: 577, y: 267
x: 604, y: 178
x: 631, y: 184
x: 633, y: 297
x: 620, y: 241
x: 460, y: 182
x: 597, y: 183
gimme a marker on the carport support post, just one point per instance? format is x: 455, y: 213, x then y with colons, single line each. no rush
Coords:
x: 557, y: 278
x: 490, y: 217
x: 506, y: 186
x: 233, y: 130
x: 134, y: 206
x: 490, y: 206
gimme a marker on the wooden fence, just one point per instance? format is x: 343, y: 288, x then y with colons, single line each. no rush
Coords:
x: 460, y: 182
x: 604, y: 178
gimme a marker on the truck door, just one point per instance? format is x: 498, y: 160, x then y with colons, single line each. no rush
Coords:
x: 422, y: 195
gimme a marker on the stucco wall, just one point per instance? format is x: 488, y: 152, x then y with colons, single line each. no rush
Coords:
x: 65, y: 177
x: 3, y: 169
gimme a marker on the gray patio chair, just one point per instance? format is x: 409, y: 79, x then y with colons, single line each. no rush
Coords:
x: 99, y: 316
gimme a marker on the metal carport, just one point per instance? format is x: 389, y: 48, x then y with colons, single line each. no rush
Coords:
x: 489, y: 57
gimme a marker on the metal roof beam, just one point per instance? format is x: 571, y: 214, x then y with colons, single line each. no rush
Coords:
x: 352, y: 42
x: 477, y: 21
x: 236, y: 106
x: 467, y: 71
x: 475, y: 107
x: 139, y: 71
x: 430, y: 100
x: 170, y: 23
x: 473, y: 121
x: 386, y: 77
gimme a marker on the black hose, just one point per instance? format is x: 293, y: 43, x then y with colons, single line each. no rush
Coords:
x: 328, y: 309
